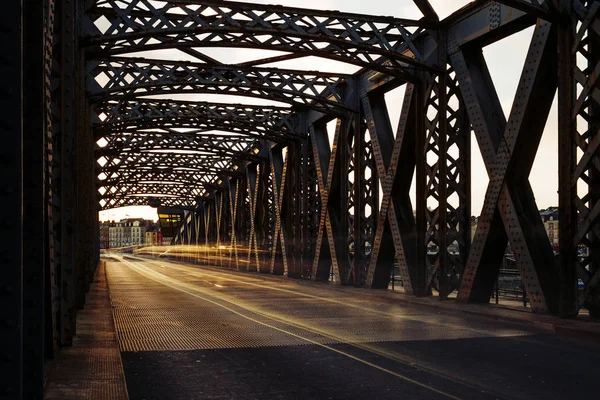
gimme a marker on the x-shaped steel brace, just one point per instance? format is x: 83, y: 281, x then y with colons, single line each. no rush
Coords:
x: 388, y: 151
x: 219, y: 204
x: 278, y: 173
x: 328, y: 160
x: 253, y: 182
x: 234, y: 189
x: 508, y: 149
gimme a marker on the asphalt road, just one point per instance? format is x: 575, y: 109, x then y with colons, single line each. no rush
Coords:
x: 187, y: 332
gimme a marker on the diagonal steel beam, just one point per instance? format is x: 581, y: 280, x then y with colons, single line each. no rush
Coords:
x: 509, y: 207
x: 388, y: 151
x: 125, y: 78
x: 331, y: 169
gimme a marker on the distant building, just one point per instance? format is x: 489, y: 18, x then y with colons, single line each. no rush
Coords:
x: 154, y: 238
x: 474, y: 221
x: 550, y: 219
x: 127, y: 232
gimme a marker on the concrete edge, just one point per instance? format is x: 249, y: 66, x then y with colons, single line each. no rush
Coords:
x: 114, y: 326
x: 84, y: 370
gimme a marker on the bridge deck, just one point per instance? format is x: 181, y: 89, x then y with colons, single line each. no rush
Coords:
x: 191, y: 332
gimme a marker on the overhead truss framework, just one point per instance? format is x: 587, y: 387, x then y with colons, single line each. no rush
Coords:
x: 294, y: 188
x: 139, y: 114
x: 379, y: 43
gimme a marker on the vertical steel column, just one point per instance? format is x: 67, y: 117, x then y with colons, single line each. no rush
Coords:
x: 51, y: 287
x: 310, y: 202
x: 234, y: 191
x: 219, y: 203
x: 306, y: 259
x: 420, y: 272
x: 293, y: 216
x: 252, y: 172
x: 35, y: 235
x: 208, y: 212
x: 63, y: 170
x: 11, y: 198
x: 360, y: 260
x: 279, y: 167
x: 265, y: 212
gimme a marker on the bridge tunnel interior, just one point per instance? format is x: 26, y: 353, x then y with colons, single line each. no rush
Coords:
x: 296, y: 172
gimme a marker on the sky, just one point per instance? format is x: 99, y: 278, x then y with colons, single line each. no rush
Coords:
x: 505, y: 60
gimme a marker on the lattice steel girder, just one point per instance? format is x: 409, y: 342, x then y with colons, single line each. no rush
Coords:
x: 201, y: 177
x: 168, y: 190
x: 212, y: 162
x: 579, y: 124
x: 395, y: 160
x: 11, y: 196
x: 508, y: 149
x: 206, y: 173
x: 175, y: 202
x: 362, y: 40
x: 149, y: 143
x: 127, y: 115
x: 154, y: 177
x: 123, y: 78
x: 446, y: 171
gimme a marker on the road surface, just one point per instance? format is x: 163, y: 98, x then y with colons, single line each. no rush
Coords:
x: 187, y: 332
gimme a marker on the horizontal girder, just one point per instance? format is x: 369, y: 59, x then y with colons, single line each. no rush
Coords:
x: 238, y: 146
x: 362, y: 40
x: 175, y: 202
x: 164, y: 160
x: 133, y: 115
x: 123, y: 78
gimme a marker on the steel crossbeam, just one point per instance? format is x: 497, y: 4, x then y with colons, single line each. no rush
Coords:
x: 140, y: 114
x: 447, y: 187
x: 165, y: 161
x: 362, y: 40
x: 122, y: 78
x: 238, y: 146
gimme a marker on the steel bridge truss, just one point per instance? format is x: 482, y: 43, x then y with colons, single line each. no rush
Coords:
x: 321, y: 210
x: 317, y: 186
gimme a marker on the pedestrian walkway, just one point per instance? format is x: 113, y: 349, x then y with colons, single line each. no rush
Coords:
x: 91, y: 368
